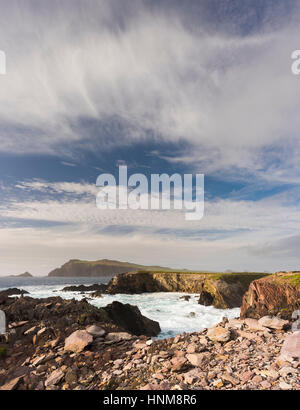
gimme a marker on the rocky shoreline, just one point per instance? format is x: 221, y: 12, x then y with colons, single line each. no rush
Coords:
x: 235, y: 354
x: 58, y: 344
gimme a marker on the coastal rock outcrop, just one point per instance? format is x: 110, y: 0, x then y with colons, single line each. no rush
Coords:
x: 65, y: 315
x: 130, y: 317
x: 12, y: 292
x: 222, y: 290
x: 277, y: 294
x: 83, y: 288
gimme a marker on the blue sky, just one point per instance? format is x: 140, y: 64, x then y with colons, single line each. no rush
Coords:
x: 162, y: 86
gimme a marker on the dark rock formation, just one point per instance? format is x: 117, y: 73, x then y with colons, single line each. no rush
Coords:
x: 97, y: 294
x: 185, y: 297
x: 129, y: 317
x: 82, y: 288
x: 63, y: 315
x: 278, y: 294
x: 13, y: 291
x: 205, y: 298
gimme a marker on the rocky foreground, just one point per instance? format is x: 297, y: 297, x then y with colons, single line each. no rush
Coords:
x: 57, y: 344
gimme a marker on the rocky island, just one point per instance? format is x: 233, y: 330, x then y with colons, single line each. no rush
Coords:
x: 22, y: 275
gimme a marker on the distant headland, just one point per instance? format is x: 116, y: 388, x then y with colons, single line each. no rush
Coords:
x: 22, y: 275
x: 103, y: 267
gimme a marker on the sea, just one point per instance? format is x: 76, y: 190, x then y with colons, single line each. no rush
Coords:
x: 174, y: 314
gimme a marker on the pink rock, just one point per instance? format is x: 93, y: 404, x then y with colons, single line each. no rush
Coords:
x: 11, y: 385
x: 95, y: 331
x: 78, y: 340
x: 218, y: 334
x: 265, y: 384
x: 245, y: 377
x: 253, y: 324
x: 191, y: 348
x: 155, y: 386
x: 54, y: 378
x: 273, y: 322
x: 257, y: 379
x: 197, y: 359
x: 291, y: 346
x: 178, y: 363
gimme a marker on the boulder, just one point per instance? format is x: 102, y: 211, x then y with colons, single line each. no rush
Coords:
x: 218, y: 334
x: 197, y: 359
x: 39, y: 360
x: 273, y: 322
x: 95, y: 331
x: 234, y: 324
x: 253, y: 324
x: 55, y: 377
x: 156, y: 386
x: 130, y: 319
x: 178, y: 364
x: 78, y: 340
x: 117, y: 336
x: 185, y: 297
x: 12, y: 384
x: 71, y: 376
x: 31, y: 331
x: 291, y: 346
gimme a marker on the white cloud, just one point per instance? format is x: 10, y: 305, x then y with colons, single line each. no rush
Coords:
x: 230, y: 96
x: 254, y: 235
x: 276, y: 214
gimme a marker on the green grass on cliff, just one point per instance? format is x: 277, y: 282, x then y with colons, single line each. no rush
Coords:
x: 244, y: 277
x: 293, y: 280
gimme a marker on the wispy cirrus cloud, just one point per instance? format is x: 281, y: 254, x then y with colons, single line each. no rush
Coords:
x: 229, y: 95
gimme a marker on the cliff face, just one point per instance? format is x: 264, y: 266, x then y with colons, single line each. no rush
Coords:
x: 104, y: 267
x: 278, y: 294
x: 220, y: 290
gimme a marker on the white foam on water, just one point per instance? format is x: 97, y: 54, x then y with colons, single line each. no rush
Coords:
x: 172, y: 313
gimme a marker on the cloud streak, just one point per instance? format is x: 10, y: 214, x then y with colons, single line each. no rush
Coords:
x: 229, y: 96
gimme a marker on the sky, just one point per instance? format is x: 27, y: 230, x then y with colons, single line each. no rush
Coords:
x: 164, y: 87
